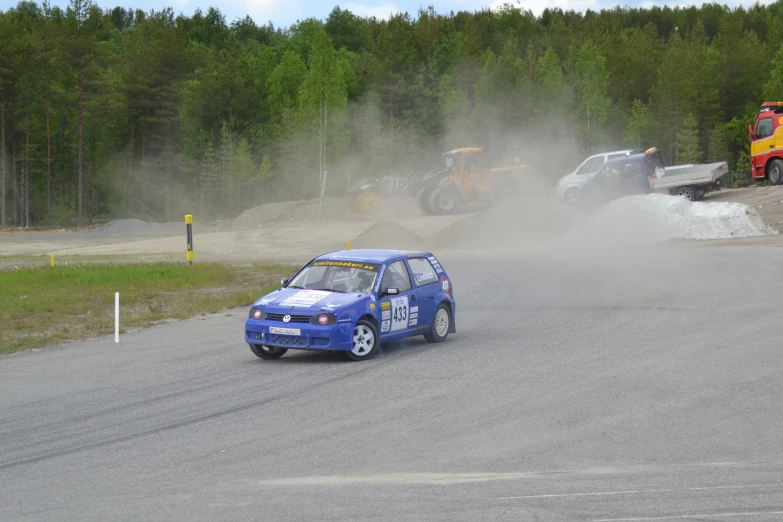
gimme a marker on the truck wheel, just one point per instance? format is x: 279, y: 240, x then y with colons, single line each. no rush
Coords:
x: 423, y: 200
x: 687, y: 193
x: 776, y: 171
x: 267, y: 352
x: 444, y: 200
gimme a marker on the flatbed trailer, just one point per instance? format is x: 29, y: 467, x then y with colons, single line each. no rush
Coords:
x: 691, y: 181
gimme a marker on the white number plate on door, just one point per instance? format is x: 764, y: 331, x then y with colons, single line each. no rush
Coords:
x: 399, y: 310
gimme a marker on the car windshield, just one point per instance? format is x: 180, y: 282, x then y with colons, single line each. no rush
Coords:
x: 337, y: 276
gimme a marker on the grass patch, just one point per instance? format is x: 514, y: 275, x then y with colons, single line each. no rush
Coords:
x: 42, y: 305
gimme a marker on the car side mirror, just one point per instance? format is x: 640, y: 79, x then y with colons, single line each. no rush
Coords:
x: 391, y: 291
x: 283, y: 282
x: 751, y: 133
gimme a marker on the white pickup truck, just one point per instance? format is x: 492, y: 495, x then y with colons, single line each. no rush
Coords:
x: 690, y: 181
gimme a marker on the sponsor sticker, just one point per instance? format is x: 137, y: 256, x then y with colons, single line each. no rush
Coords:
x: 331, y: 306
x: 414, y: 316
x: 372, y: 306
x: 386, y: 314
x: 414, y: 309
x: 436, y: 265
x: 305, y: 298
x: 413, y: 322
x: 444, y: 284
x: 424, y: 277
x: 385, y: 305
x: 347, y: 264
x: 385, y: 326
x: 285, y: 331
x: 380, y: 279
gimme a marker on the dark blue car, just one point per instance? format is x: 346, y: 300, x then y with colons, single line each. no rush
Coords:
x: 353, y: 300
x: 626, y: 176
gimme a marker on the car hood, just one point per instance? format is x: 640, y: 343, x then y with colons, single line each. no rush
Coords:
x: 296, y: 300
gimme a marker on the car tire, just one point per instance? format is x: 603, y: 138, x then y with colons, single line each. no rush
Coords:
x: 775, y: 172
x: 423, y: 200
x: 686, y: 192
x: 267, y: 352
x: 365, y: 341
x: 444, y: 200
x: 570, y: 196
x: 439, y: 329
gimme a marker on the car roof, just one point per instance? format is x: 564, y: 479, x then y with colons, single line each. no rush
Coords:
x: 626, y: 159
x: 609, y: 153
x: 368, y: 255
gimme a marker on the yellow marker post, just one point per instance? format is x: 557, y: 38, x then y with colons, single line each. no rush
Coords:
x: 348, y: 244
x: 189, y: 227
x: 51, y: 259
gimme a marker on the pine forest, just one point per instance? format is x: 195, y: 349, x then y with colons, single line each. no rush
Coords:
x: 124, y: 113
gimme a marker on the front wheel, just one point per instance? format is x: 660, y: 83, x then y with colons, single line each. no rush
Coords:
x: 365, y: 341
x: 267, y: 352
x: 444, y: 200
x: 439, y: 329
x: 776, y: 172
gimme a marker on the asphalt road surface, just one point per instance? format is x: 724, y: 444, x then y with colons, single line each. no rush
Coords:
x: 644, y: 386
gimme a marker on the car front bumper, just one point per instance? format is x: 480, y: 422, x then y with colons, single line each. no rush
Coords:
x: 299, y: 336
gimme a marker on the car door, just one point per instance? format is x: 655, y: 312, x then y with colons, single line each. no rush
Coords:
x: 396, y: 308
x: 426, y: 281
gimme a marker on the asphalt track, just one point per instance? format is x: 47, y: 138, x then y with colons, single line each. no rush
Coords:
x: 645, y: 386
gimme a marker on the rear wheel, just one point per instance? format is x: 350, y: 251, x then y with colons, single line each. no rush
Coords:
x: 365, y: 341
x: 686, y: 192
x: 439, y: 329
x: 776, y: 172
x: 367, y: 202
x: 423, y: 200
x: 267, y: 352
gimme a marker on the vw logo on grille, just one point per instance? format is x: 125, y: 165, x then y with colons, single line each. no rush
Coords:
x: 286, y: 318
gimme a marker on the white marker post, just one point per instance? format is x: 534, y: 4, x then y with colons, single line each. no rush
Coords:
x: 116, y: 317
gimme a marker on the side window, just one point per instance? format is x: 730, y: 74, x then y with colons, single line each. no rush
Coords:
x: 632, y: 169
x: 396, y: 276
x: 615, y: 156
x: 423, y: 272
x: 591, y: 165
x: 764, y: 128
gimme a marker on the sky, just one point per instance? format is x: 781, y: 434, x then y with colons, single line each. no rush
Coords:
x: 283, y: 13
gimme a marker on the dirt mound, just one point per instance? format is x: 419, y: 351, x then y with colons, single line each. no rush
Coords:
x: 658, y: 217
x: 302, y: 211
x: 334, y: 209
x: 514, y: 222
x: 138, y: 228
x: 388, y: 235
x: 767, y: 201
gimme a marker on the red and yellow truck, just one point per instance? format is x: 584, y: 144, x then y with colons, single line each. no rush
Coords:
x: 766, y: 143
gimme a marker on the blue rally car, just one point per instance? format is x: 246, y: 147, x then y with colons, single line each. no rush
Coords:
x: 353, y: 300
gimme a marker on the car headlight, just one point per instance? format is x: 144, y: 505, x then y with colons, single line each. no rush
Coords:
x: 256, y: 313
x: 324, y: 319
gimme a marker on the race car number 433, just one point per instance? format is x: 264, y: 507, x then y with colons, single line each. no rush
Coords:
x: 399, y: 311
